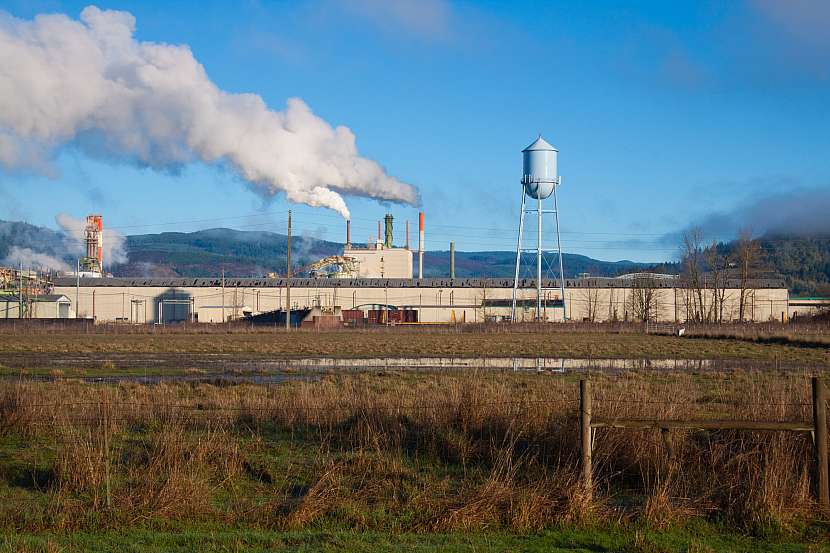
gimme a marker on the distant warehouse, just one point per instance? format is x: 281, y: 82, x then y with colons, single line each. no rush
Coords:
x: 49, y: 306
x: 642, y: 296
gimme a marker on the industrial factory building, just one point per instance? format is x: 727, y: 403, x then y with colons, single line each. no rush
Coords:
x: 375, y: 284
x: 378, y: 284
x: 433, y: 300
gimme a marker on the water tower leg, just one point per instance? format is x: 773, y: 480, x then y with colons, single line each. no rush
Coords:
x: 559, y: 248
x: 539, y: 260
x: 518, y: 257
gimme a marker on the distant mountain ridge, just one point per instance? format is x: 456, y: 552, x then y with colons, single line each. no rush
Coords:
x: 804, y: 262
x: 254, y: 253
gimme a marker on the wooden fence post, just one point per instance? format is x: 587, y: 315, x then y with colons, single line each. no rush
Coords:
x: 820, y: 436
x: 585, y: 432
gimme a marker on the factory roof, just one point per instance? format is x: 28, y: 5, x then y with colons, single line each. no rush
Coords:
x: 215, y: 282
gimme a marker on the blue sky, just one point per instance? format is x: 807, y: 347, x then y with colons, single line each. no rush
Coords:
x: 666, y: 114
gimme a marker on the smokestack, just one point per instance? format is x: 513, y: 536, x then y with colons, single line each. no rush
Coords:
x: 101, y: 243
x: 407, y: 234
x: 421, y: 244
x: 388, y: 237
x: 378, y: 231
x: 94, y: 237
x: 348, y: 233
x: 452, y: 259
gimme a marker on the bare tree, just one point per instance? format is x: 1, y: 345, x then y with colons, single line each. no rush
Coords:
x: 747, y: 255
x: 717, y: 264
x: 613, y: 310
x: 590, y: 295
x: 692, y: 262
x: 644, y: 298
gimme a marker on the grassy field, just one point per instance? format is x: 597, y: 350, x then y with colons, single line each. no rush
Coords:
x: 423, y: 343
x: 395, y: 460
x: 700, y: 538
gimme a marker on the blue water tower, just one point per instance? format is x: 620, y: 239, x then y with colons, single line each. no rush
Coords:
x: 540, y: 179
x: 539, y: 174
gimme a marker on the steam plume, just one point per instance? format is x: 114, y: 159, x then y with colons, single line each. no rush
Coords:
x: 32, y: 259
x: 114, y: 241
x: 91, y: 85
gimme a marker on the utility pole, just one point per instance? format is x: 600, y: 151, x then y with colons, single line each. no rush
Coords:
x: 452, y: 259
x: 559, y: 247
x: 77, y: 287
x: 223, y: 296
x: 288, y: 278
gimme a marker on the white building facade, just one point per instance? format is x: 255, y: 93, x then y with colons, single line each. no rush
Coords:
x: 436, y: 300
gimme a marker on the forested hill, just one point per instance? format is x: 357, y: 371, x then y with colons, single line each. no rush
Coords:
x: 247, y: 253
x: 803, y: 261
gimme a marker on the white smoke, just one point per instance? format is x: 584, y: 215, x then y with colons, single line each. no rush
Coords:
x: 114, y: 241
x: 91, y: 85
x: 35, y: 260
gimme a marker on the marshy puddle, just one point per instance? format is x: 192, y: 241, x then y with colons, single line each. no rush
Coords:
x: 229, y: 369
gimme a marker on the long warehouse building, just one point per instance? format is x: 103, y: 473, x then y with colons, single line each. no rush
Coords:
x: 435, y: 300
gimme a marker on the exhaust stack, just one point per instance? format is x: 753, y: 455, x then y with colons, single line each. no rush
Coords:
x: 452, y: 259
x: 421, y: 244
x: 94, y: 238
x: 387, y: 242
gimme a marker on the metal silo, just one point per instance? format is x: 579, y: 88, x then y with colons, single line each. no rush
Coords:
x: 540, y: 178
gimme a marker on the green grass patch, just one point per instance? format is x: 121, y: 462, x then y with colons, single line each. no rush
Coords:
x: 570, y: 540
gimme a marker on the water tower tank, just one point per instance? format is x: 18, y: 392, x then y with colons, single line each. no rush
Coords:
x: 539, y: 175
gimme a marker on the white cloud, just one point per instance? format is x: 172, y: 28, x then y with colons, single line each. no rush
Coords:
x: 424, y: 17
x: 90, y: 84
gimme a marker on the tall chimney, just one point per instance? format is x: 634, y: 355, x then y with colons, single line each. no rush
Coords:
x: 378, y: 231
x: 387, y: 242
x: 348, y: 233
x: 101, y: 243
x: 452, y: 259
x: 94, y: 238
x: 407, y: 234
x: 421, y: 244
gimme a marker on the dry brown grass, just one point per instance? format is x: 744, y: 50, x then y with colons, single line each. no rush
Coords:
x: 435, y: 452
x: 551, y: 341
